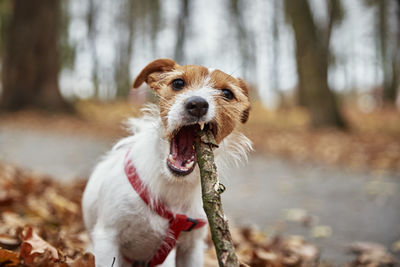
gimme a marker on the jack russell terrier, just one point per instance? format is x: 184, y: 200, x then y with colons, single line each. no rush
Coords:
x: 142, y: 204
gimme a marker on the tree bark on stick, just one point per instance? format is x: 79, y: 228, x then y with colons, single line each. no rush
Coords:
x: 211, y: 190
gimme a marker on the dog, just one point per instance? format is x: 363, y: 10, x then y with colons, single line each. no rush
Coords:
x: 142, y: 205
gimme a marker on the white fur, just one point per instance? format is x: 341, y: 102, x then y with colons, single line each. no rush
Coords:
x: 118, y: 220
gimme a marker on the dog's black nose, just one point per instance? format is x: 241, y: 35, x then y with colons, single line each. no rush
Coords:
x: 196, y: 106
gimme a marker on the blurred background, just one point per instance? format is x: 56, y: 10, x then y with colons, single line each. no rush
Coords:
x: 324, y: 78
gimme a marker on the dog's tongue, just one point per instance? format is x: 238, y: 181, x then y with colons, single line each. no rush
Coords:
x: 182, y: 149
x: 184, y: 142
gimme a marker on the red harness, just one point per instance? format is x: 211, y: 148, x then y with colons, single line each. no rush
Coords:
x: 177, y: 222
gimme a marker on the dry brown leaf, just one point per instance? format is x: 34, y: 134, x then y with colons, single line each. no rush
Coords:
x: 321, y: 231
x: 396, y: 246
x: 268, y: 257
x: 59, y: 220
x: 34, y: 246
x: 86, y: 260
x: 371, y: 255
x: 297, y: 252
x: 12, y: 219
x: 8, y: 258
x: 9, y: 242
x: 61, y: 203
x: 245, y: 252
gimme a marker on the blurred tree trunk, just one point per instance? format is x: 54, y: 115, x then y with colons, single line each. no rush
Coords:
x: 136, y: 20
x: 31, y: 63
x: 277, y: 8
x: 388, y: 92
x: 122, y: 74
x: 181, y: 31
x: 243, y: 36
x: 154, y: 24
x: 5, y: 15
x: 387, y: 46
x: 396, y: 58
x: 389, y: 56
x: 312, y: 55
x: 91, y: 19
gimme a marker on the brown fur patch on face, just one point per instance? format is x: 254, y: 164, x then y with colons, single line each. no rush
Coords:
x: 229, y: 112
x: 159, y: 75
x: 194, y: 77
x: 156, y: 66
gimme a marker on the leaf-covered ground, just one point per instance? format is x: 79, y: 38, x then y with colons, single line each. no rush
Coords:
x: 41, y: 225
x: 41, y: 222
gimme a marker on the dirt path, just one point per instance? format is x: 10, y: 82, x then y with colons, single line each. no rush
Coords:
x: 268, y: 192
x: 61, y: 156
x: 342, y: 205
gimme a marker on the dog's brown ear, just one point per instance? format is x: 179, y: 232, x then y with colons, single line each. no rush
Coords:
x: 245, y: 113
x: 158, y: 65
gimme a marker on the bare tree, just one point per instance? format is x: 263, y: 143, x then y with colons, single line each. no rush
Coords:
x: 394, y: 91
x: 91, y: 19
x: 387, y: 45
x: 243, y: 35
x: 5, y: 15
x: 182, y: 30
x: 276, y: 14
x: 388, y: 54
x: 312, y: 58
x: 31, y: 59
x: 122, y: 75
x: 155, y: 20
x: 137, y: 20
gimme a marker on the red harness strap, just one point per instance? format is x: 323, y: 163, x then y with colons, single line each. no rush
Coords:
x: 177, y: 222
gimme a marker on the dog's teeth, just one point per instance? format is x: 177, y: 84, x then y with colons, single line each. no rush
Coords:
x: 201, y: 125
x: 184, y: 168
x: 171, y: 158
x: 189, y: 165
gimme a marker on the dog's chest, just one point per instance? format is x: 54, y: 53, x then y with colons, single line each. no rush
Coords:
x: 142, y: 230
x: 142, y: 235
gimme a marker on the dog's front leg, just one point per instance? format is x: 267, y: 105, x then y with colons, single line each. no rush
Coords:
x: 105, y: 248
x: 191, y: 255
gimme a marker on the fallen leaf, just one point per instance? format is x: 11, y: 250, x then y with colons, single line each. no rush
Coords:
x: 86, y: 260
x: 34, y: 246
x: 321, y: 231
x: 371, y: 255
x: 8, y: 258
x: 9, y: 242
x: 396, y: 246
x: 296, y: 215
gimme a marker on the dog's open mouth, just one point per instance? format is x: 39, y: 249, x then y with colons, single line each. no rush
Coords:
x: 182, y: 156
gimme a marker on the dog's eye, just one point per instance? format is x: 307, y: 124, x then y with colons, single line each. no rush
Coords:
x: 178, y: 84
x: 227, y: 94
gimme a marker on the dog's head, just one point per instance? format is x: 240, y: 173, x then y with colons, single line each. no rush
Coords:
x: 193, y: 97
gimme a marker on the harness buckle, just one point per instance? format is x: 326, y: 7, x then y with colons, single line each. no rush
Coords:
x: 194, y: 224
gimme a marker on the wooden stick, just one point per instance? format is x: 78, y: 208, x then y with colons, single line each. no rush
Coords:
x: 211, y: 190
